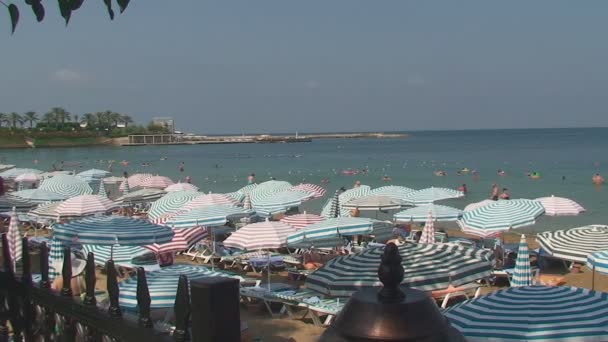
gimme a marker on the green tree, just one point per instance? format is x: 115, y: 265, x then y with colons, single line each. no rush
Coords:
x: 49, y: 118
x: 76, y: 117
x: 3, y: 118
x: 90, y: 118
x: 14, y: 119
x: 61, y: 115
x: 30, y: 117
x: 127, y: 119
x: 101, y: 119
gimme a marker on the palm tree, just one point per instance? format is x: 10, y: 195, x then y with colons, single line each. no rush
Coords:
x: 31, y: 117
x: 60, y: 114
x: 49, y: 118
x: 126, y: 119
x: 14, y: 118
x: 89, y: 118
x: 2, y: 118
x: 100, y: 119
x: 76, y: 116
x: 115, y: 118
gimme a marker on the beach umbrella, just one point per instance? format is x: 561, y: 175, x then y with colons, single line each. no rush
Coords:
x: 432, y: 194
x: 66, y: 185
x: 125, y: 187
x: 28, y: 177
x: 334, y: 206
x: 247, y: 202
x: 93, y: 174
x: 574, y: 244
x: 428, y: 232
x: 102, y: 190
x: 533, y: 313
x: 236, y: 195
x: 332, y: 228
x: 113, y: 180
x: 156, y: 182
x: 500, y: 216
x: 300, y: 221
x: 4, y: 167
x: 210, y: 199
x: 134, y: 181
x: 479, y: 204
x: 85, y: 205
x: 14, y: 172
x: 38, y: 196
x: 181, y: 187
x: 597, y: 261
x: 246, y: 189
x: 373, y: 203
x: 52, y: 174
x: 14, y: 239
x: 260, y: 235
x: 278, y: 201
x: 171, y: 203
x: 428, y: 267
x: 360, y: 191
x: 55, y: 254
x: 317, y: 191
x: 111, y: 230
x: 392, y: 191
x: 182, y: 240
x: 141, y: 195
x: 440, y: 213
x: 560, y: 206
x: 44, y: 212
x: 8, y: 202
x: 162, y: 284
x: 213, y: 215
x: 121, y: 255
x: 522, y: 275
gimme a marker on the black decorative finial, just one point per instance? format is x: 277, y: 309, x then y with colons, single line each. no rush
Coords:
x: 44, y: 266
x: 112, y: 286
x: 390, y: 274
x: 143, y: 299
x: 66, y: 272
x: 182, y: 310
x: 90, y: 280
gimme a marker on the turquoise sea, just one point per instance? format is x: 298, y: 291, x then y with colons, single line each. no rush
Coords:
x: 566, y: 159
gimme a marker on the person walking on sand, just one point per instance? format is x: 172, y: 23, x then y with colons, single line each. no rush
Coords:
x: 494, y: 194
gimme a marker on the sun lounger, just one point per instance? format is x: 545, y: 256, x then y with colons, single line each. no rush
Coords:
x: 257, y: 264
x: 467, y: 290
x: 313, y: 302
x: 256, y: 294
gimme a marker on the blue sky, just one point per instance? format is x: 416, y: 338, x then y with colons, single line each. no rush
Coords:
x: 317, y: 65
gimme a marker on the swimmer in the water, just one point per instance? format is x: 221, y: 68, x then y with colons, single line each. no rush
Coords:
x: 463, y: 189
x: 386, y: 178
x: 501, y: 172
x: 181, y: 167
x: 597, y: 179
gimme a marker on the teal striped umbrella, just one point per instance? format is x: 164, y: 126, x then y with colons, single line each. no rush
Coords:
x: 39, y: 196
x: 93, y: 174
x: 171, y: 203
x: 55, y: 254
x: 125, y: 187
x: 142, y: 195
x: 45, y: 212
x: 8, y: 202
x: 212, y: 215
x: 121, y: 255
x: 247, y: 189
x: 574, y: 244
x: 13, y: 173
x: 522, y: 275
x: 428, y: 267
x: 392, y: 191
x: 278, y: 201
x: 432, y: 194
x: 598, y: 261
x: 350, y: 194
x: 331, y: 228
x: 67, y: 185
x: 420, y: 214
x: 110, y: 230
x: 373, y: 203
x: 101, y: 191
x: 533, y: 313
x: 503, y: 215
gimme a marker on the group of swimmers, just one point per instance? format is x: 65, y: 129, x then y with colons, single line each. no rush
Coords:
x: 496, y: 194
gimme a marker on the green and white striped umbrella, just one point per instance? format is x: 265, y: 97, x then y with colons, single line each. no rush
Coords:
x: 533, y: 313
x: 278, y: 201
x: 420, y: 214
x: 141, y: 196
x: 427, y: 267
x: 8, y: 202
x: 350, y: 194
x: 39, y: 196
x: 101, y: 191
x: 432, y: 194
x: 67, y: 185
x: 522, y: 274
x: 13, y: 173
x: 170, y: 203
x: 392, y: 191
x: 503, y: 215
x: 125, y: 187
x: 574, y: 244
x: 247, y: 189
x: 212, y: 215
x: 373, y: 203
x: 93, y: 174
x: 332, y: 227
x: 121, y: 255
x: 265, y: 189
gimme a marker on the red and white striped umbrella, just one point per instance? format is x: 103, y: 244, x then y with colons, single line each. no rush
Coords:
x: 156, y: 182
x: 317, y: 190
x: 210, y: 199
x: 14, y: 238
x: 182, y: 240
x: 85, y: 205
x: 135, y: 180
x: 300, y: 221
x: 261, y: 235
x: 560, y: 206
x: 181, y: 187
x: 428, y: 232
x: 28, y: 177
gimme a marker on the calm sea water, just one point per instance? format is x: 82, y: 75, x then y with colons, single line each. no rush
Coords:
x: 575, y: 154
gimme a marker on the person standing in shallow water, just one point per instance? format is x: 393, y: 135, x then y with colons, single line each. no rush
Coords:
x: 251, y: 178
x: 181, y: 167
x: 494, y: 194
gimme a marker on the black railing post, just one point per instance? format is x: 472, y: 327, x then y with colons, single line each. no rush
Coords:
x: 182, y: 310
x: 44, y: 266
x: 66, y: 272
x: 143, y: 299
x: 215, y: 310
x: 90, y: 280
x: 26, y: 267
x: 112, y: 285
x: 4, y: 310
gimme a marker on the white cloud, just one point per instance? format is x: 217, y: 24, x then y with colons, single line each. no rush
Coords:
x: 67, y: 75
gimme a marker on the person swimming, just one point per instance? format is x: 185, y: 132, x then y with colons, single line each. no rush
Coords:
x: 181, y: 167
x: 535, y: 175
x: 501, y: 172
x: 505, y: 195
x: 597, y: 179
x: 494, y: 193
x: 440, y: 173
x: 251, y: 178
x: 386, y: 178
x: 463, y: 189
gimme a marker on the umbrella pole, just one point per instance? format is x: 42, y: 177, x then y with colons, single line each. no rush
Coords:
x: 268, y: 270
x: 212, y: 248
x: 593, y: 278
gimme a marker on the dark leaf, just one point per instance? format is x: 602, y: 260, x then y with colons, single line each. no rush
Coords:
x: 122, y: 4
x: 38, y: 10
x: 13, y: 11
x: 66, y: 10
x: 75, y: 4
x: 108, y: 4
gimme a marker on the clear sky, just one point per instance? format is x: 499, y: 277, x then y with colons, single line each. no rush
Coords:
x: 228, y: 66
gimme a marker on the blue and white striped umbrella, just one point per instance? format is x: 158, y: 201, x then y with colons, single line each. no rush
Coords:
x: 39, y: 196
x: 162, y: 284
x: 55, y: 254
x: 358, y: 192
x: 374, y: 203
x: 420, y: 214
x: 246, y: 189
x: 8, y: 202
x: 428, y: 267
x: 121, y: 255
x: 392, y: 191
x: 522, y: 275
x: 101, y: 191
x: 500, y: 216
x: 278, y: 201
x: 67, y: 185
x: 171, y: 203
x: 533, y: 313
x: 332, y: 228
x: 598, y: 261
x: 126, y: 188
x: 212, y: 215
x: 432, y: 194
x: 110, y: 230
x: 12, y: 173
x: 93, y: 175
x: 574, y: 244
x: 142, y: 195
